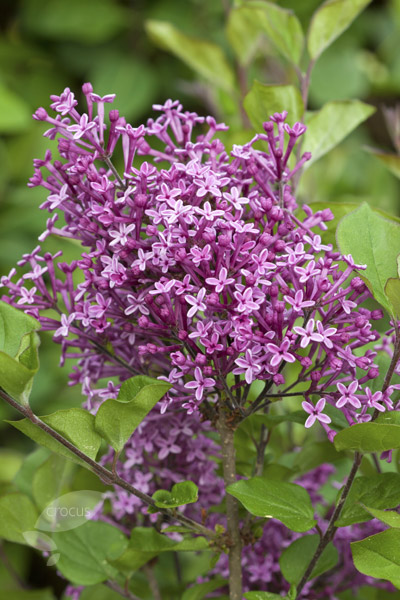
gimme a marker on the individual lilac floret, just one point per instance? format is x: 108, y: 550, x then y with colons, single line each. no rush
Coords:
x: 315, y: 412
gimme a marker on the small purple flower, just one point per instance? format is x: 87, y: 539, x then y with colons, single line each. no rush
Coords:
x: 222, y: 280
x: 308, y: 334
x: 280, y: 353
x: 347, y: 395
x: 247, y: 365
x: 374, y: 399
x: 197, y: 303
x: 82, y: 128
x: 65, y: 325
x: 200, y: 384
x: 315, y: 412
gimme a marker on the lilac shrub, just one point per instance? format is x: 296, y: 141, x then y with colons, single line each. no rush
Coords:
x: 199, y: 270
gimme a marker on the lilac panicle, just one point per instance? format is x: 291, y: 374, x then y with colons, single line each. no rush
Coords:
x: 195, y: 265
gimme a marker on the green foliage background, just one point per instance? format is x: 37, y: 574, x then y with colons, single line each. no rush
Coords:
x: 47, y: 45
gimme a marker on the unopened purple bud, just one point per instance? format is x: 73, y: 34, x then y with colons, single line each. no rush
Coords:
x: 359, y: 322
x: 178, y: 358
x: 316, y: 376
x: 208, y: 370
x: 87, y: 88
x: 114, y: 115
x: 224, y: 240
x: 280, y: 307
x: 40, y: 114
x: 279, y: 245
x: 376, y: 314
x: 357, y: 283
x: 143, y: 321
x: 279, y: 379
x: 373, y: 373
x: 141, y: 200
x: 305, y: 362
x: 335, y: 363
x: 200, y: 360
x: 265, y: 238
x: 183, y: 335
x: 274, y: 290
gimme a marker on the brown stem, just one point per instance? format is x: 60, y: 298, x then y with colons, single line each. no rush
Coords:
x: 155, y: 590
x: 104, y: 474
x: 6, y: 562
x: 232, y: 507
x: 125, y: 593
x: 330, y: 532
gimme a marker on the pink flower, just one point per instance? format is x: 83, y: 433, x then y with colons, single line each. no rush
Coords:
x: 315, y: 413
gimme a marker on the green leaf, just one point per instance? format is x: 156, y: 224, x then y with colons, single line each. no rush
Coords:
x: 331, y: 19
x: 99, y: 592
x: 262, y: 101
x: 262, y: 596
x: 391, y: 161
x: 379, y: 556
x: 19, y: 359
x: 392, y: 292
x: 75, y: 424
x: 327, y: 127
x: 368, y: 437
x: 44, y: 594
x: 205, y: 58
x: 280, y: 25
x: 146, y: 543
x: 51, y: 479
x: 17, y: 515
x: 84, y: 552
x: 99, y: 20
x: 295, y: 559
x: 182, y: 493
x: 376, y: 245
x: 198, y: 591
x: 287, y: 502
x: 389, y: 517
x: 15, y: 113
x: 378, y: 492
x: 116, y: 420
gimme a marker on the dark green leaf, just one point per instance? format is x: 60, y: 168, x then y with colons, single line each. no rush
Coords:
x: 287, y: 502
x: 330, y: 125
x: 379, y: 556
x: 198, y: 591
x: 379, y: 491
x: 391, y: 161
x: 368, y: 437
x: 376, y: 245
x: 392, y: 292
x: 116, y: 420
x: 84, y: 552
x: 264, y: 100
x: 205, y: 58
x: 18, y: 514
x: 295, y: 559
x: 329, y: 21
x: 182, y: 493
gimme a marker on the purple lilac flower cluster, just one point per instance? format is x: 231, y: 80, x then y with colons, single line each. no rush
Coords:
x: 196, y: 267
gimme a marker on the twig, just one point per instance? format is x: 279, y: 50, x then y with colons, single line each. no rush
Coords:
x: 104, y: 474
x: 125, y: 593
x: 155, y: 590
x: 232, y: 507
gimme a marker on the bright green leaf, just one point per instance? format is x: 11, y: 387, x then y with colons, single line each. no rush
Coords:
x: 262, y: 101
x: 379, y: 556
x: 329, y: 21
x: 368, y: 437
x: 376, y: 244
x: 392, y: 292
x: 262, y: 596
x: 182, y: 493
x: 17, y: 515
x: 295, y: 559
x: 205, y: 58
x: 99, y: 592
x: 51, y: 479
x: 281, y: 26
x: 330, y: 125
x: 75, y: 424
x: 116, y: 420
x: 378, y: 492
x: 287, y: 502
x: 84, y: 552
x: 388, y: 517
x: 19, y: 359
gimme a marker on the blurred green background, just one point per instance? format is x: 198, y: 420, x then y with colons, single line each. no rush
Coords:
x: 47, y: 45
